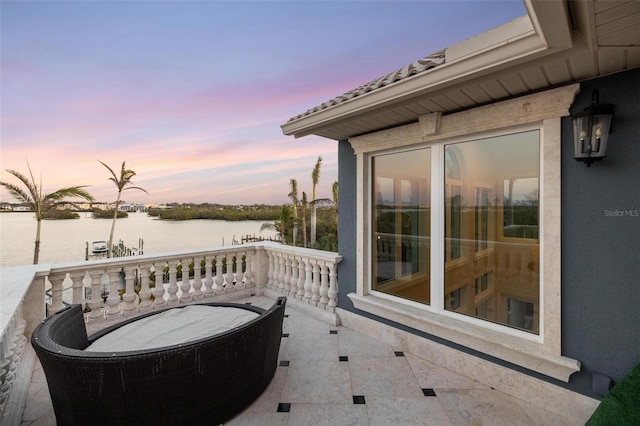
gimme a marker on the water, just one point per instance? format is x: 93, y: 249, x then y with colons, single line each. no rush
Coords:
x: 65, y: 240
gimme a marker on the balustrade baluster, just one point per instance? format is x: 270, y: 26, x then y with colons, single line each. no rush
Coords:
x: 270, y: 270
x: 276, y: 271
x: 283, y: 272
x: 324, y: 285
x: 228, y: 276
x: 333, y: 287
x: 145, y: 291
x: 239, y: 275
x: 76, y: 287
x: 185, y: 287
x: 219, y: 277
x: 129, y: 295
x: 197, y: 278
x: 95, y: 304
x: 293, y: 287
x: 158, y: 291
x: 248, y: 273
x: 287, y: 274
x: 301, y: 277
x: 173, y: 284
x: 308, y: 281
x: 113, y: 301
x: 208, y: 278
x: 315, y: 285
x: 56, y: 292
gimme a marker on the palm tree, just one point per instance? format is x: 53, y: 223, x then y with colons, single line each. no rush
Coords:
x: 303, y: 212
x: 315, y: 176
x: 281, y: 225
x: 294, y: 203
x: 121, y: 183
x: 41, y: 203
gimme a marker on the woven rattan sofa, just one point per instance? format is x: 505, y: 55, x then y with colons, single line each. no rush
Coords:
x: 206, y: 382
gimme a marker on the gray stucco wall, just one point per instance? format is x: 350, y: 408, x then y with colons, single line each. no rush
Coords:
x: 600, y: 251
x: 601, y: 239
x: 346, y: 224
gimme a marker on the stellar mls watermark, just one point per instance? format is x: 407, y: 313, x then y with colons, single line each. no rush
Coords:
x: 622, y: 213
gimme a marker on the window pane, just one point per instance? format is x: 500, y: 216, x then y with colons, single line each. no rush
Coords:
x: 401, y: 197
x: 491, y: 229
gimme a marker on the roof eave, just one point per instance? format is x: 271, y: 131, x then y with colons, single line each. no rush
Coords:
x: 515, y: 42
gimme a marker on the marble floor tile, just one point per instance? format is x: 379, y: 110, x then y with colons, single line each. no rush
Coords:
x: 352, y: 343
x: 405, y: 411
x: 328, y: 415
x: 433, y: 376
x: 318, y: 382
x: 384, y: 376
x: 482, y: 407
x: 320, y: 388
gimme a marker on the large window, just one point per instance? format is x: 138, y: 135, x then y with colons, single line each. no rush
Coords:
x: 495, y: 205
x: 488, y: 197
x: 401, y: 199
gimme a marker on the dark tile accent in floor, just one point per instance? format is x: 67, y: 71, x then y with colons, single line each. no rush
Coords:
x: 343, y: 358
x: 284, y: 363
x: 286, y: 315
x: 429, y: 392
x: 398, y: 353
x: 284, y: 407
x: 285, y: 334
x: 333, y: 331
x: 358, y: 399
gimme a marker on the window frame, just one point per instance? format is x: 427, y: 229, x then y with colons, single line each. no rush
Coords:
x: 541, y: 353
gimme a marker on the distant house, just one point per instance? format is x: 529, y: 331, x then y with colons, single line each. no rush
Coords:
x: 465, y: 220
x: 21, y: 208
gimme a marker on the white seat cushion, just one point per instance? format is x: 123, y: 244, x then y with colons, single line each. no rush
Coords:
x: 173, y: 327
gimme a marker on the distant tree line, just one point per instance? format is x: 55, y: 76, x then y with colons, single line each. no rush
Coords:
x: 217, y: 212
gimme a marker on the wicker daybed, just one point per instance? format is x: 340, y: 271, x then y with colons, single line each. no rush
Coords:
x: 206, y: 381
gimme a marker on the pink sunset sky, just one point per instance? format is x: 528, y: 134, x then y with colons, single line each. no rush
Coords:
x: 192, y: 94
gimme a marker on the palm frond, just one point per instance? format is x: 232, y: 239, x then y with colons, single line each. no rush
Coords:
x: 114, y: 178
x: 74, y: 191
x: 136, y: 187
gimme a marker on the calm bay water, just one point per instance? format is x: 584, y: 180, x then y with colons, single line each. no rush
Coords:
x: 65, y: 240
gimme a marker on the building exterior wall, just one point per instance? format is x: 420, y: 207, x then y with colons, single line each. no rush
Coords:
x: 601, y: 239
x: 600, y: 249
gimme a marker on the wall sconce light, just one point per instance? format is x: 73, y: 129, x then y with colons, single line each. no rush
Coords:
x: 591, y: 131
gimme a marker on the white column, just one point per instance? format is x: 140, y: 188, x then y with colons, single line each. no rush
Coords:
x: 129, y: 295
x: 270, y: 270
x: 145, y: 291
x: 239, y: 276
x: 248, y: 273
x: 76, y: 279
x: 293, y: 288
x: 96, y: 297
x: 158, y: 291
x: 56, y: 292
x: 173, y: 285
x: 315, y: 285
x: 287, y: 274
x: 113, y: 301
x: 308, y: 280
x: 208, y: 277
x: 219, y: 277
x: 301, y: 278
x: 185, y: 287
x: 197, y: 279
x: 333, y: 287
x: 324, y: 285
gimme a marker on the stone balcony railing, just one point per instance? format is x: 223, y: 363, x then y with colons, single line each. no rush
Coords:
x: 112, y: 289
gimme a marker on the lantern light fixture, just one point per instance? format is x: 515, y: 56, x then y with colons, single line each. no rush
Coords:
x: 591, y: 129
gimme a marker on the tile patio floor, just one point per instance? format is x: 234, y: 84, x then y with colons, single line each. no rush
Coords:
x: 336, y: 376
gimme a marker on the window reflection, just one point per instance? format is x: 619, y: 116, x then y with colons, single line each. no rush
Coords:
x: 491, y: 229
x: 401, y: 224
